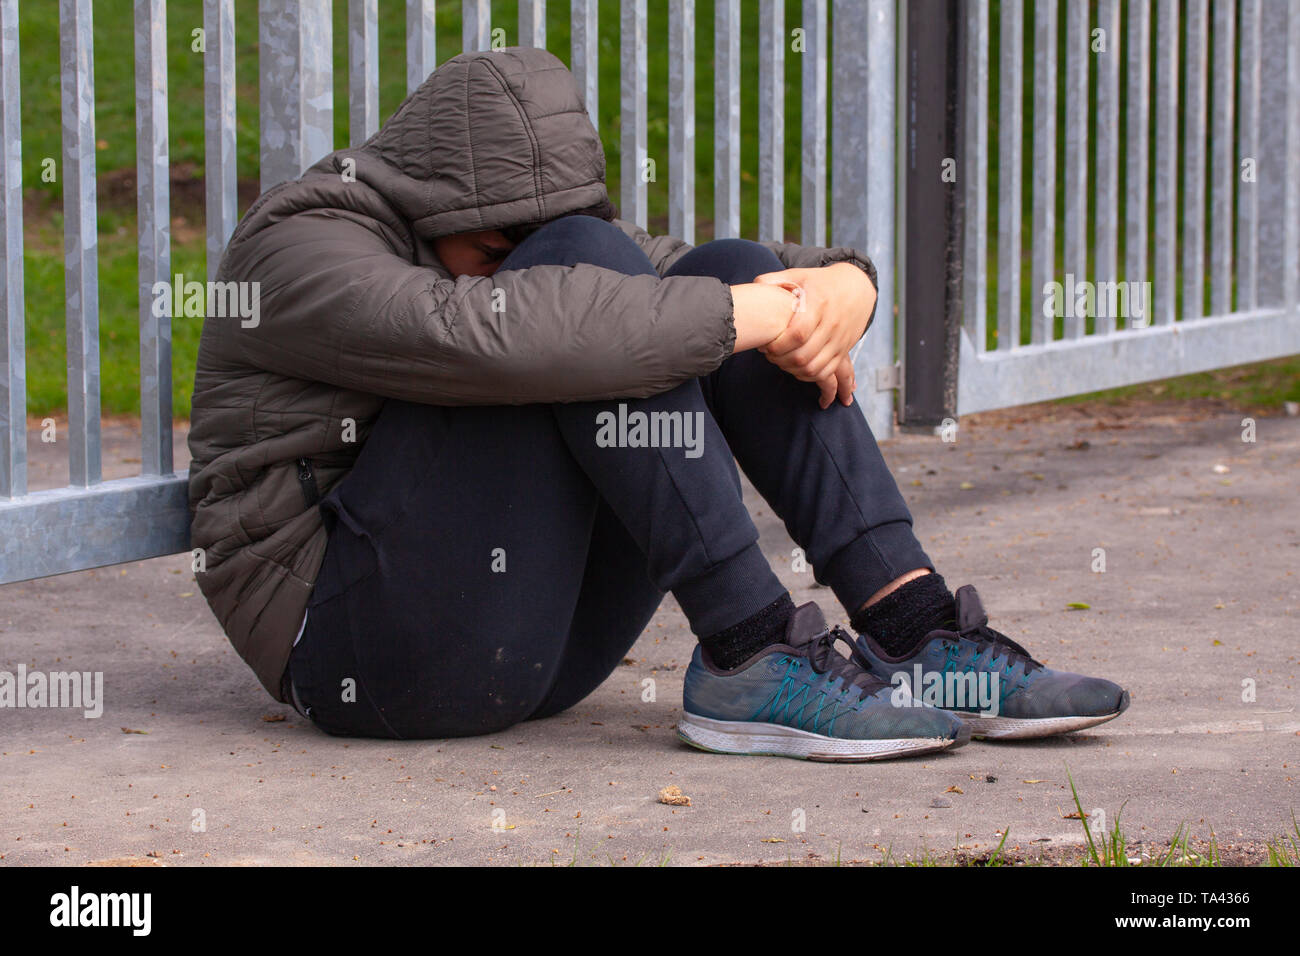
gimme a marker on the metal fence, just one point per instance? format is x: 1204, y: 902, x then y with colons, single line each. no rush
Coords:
x: 1195, y: 191
x: 94, y: 522
x: 1203, y: 226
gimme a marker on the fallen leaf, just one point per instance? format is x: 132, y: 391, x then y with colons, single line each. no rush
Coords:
x: 1078, y: 606
x: 673, y: 797
x: 772, y: 840
x: 273, y: 718
x: 128, y: 730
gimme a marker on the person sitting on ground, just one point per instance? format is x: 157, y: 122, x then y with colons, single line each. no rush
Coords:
x: 482, y: 426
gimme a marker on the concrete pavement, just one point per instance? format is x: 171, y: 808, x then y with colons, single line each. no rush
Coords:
x: 1200, y: 593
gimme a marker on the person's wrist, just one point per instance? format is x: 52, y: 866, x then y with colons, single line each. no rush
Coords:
x: 783, y: 314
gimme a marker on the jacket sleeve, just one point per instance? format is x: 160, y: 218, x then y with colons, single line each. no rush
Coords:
x: 338, y: 304
x: 664, y: 251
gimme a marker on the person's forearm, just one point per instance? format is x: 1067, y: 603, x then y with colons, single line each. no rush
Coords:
x: 761, y: 313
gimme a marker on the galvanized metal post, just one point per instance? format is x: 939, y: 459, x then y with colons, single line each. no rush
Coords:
x: 153, y: 192
x: 771, y: 119
x: 221, y: 197
x: 634, y: 168
x: 421, y: 45
x: 295, y: 55
x: 726, y: 119
x: 862, y: 171
x: 475, y: 25
x: 80, y: 239
x: 681, y: 119
x: 934, y: 203
x: 813, y: 122
x: 584, y: 56
x: 363, y: 70
x: 13, y: 355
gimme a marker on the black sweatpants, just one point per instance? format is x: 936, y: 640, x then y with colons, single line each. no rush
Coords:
x: 491, y: 564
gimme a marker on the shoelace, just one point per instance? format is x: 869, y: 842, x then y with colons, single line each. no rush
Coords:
x: 985, y: 637
x: 855, y: 670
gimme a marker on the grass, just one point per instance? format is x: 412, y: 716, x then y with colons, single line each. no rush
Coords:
x: 1264, y: 387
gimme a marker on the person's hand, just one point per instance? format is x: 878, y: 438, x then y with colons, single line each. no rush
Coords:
x: 841, y: 384
x: 836, y: 301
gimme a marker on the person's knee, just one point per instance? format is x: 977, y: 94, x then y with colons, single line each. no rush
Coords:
x: 734, y: 261
x: 570, y: 240
x: 580, y: 230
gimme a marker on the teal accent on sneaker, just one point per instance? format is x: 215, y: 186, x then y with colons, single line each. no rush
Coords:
x: 804, y: 699
x: 993, y: 683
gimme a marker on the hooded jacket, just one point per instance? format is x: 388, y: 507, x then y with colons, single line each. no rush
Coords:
x: 354, y: 308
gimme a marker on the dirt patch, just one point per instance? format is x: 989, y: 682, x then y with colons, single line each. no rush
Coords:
x: 116, y: 191
x: 1113, y: 415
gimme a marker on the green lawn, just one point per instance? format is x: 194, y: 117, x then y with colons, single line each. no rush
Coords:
x: 115, y: 132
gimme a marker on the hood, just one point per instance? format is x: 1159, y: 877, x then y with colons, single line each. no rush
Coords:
x: 490, y: 139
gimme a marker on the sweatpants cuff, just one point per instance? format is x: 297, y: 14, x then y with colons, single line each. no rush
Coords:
x: 870, y: 561
x: 729, y: 592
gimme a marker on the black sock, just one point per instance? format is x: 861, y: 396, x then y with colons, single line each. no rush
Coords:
x: 900, y: 620
x: 740, y: 642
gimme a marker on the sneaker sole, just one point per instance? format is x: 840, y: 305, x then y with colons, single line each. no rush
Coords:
x: 1027, y: 728
x: 776, y: 740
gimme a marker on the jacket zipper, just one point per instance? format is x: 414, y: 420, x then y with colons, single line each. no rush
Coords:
x: 308, y: 481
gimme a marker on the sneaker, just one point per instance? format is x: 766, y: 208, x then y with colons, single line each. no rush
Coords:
x: 806, y: 700
x: 993, y: 683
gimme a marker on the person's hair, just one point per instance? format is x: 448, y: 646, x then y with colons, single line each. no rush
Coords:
x: 604, y: 209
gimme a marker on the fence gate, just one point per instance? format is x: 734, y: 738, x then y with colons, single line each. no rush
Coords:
x: 92, y: 522
x: 1180, y: 179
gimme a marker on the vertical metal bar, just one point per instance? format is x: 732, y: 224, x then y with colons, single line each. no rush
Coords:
x: 1291, y: 181
x: 1137, y: 142
x: 1043, y: 233
x: 297, y: 90
x: 1222, y: 167
x: 771, y: 120
x: 421, y: 42
x: 1105, y: 266
x: 13, y: 349
x: 1011, y: 92
x: 476, y: 25
x: 80, y: 241
x: 813, y: 120
x: 1194, y: 124
x: 154, y: 226
x: 975, y: 164
x: 681, y: 119
x: 1272, y: 163
x: 876, y: 174
x: 363, y: 70
x: 1248, y: 157
x: 1164, y: 296
x: 1077, y: 52
x: 634, y: 167
x: 220, y: 187
x: 726, y: 119
x: 933, y: 51
x: 585, y: 47
x: 532, y: 23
